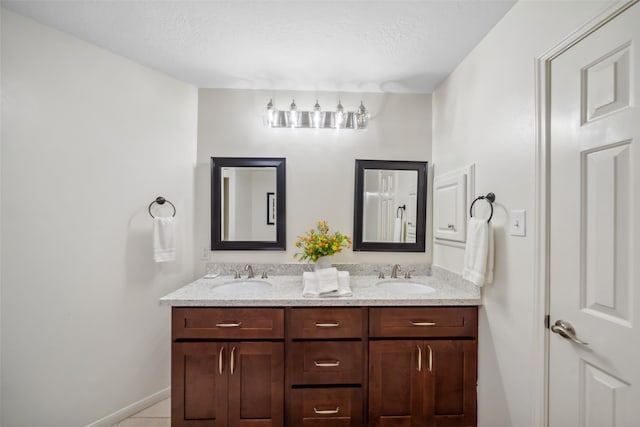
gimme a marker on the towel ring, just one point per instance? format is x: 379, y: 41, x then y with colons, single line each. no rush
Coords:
x: 490, y: 198
x: 403, y: 207
x: 161, y: 201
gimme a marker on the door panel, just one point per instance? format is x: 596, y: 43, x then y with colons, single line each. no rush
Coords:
x: 606, y: 186
x: 594, y: 227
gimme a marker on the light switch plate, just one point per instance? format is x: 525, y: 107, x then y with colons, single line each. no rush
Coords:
x: 518, y: 224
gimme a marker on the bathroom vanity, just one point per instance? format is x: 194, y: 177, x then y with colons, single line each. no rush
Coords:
x: 249, y: 354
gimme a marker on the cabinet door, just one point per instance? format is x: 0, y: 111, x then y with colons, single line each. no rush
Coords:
x: 256, y: 384
x: 199, y: 384
x: 451, y: 385
x: 450, y: 207
x: 397, y: 384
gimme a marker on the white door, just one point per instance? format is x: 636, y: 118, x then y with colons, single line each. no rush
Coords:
x: 595, y: 229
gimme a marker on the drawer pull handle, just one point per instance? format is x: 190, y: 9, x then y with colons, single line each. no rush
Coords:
x: 327, y: 325
x: 430, y: 358
x: 327, y: 364
x: 423, y: 323
x: 326, y: 411
x: 229, y: 325
x: 232, y: 360
x: 419, y: 359
x: 220, y: 360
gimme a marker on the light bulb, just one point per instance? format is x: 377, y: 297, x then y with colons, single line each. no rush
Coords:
x: 293, y: 114
x: 362, y: 116
x: 339, y: 115
x: 316, y: 115
x: 271, y: 113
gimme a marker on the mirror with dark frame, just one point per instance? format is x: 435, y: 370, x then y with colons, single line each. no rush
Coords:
x: 247, y: 203
x: 390, y: 208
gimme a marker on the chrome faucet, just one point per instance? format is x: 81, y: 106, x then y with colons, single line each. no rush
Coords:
x: 394, y: 271
x: 250, y: 270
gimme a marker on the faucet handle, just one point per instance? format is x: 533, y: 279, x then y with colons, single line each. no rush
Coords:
x: 237, y: 275
x: 264, y: 275
x: 407, y: 274
x: 380, y: 274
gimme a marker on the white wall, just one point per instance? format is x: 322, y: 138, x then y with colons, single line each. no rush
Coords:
x: 484, y: 113
x: 89, y: 139
x: 320, y: 163
x: 262, y: 182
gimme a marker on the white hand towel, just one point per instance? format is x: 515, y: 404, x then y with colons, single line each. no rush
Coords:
x: 344, y: 286
x: 164, y: 248
x: 327, y: 280
x: 397, y: 230
x: 310, y: 290
x: 478, y: 254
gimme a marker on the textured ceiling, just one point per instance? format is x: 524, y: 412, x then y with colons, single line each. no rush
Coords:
x: 372, y: 46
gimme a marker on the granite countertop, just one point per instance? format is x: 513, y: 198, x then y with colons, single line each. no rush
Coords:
x: 224, y: 291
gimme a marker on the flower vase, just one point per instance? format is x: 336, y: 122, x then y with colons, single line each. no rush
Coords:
x: 322, y: 262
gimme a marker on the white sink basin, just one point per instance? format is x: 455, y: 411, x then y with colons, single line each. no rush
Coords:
x: 244, y: 285
x: 405, y: 286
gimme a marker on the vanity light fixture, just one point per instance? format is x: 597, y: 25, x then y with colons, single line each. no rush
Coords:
x: 316, y: 118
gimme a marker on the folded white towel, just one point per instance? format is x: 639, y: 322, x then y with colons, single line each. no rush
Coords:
x: 311, y: 289
x: 478, y: 254
x: 327, y: 280
x: 164, y: 248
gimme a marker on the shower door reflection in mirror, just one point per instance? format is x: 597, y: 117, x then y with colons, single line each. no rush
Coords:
x: 390, y: 206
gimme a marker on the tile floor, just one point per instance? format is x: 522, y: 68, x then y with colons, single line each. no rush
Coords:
x: 158, y: 415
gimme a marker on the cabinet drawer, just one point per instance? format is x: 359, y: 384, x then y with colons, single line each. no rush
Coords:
x: 327, y: 362
x: 232, y: 323
x: 327, y: 323
x: 423, y: 322
x: 326, y: 407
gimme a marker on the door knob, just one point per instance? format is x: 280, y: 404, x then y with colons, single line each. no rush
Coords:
x: 566, y: 330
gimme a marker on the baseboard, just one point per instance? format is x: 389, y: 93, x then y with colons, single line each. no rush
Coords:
x: 129, y: 410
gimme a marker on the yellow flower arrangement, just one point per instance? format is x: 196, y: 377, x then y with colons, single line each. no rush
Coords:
x: 318, y: 242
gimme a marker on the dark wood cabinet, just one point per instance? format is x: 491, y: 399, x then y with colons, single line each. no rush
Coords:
x: 396, y: 385
x: 452, y: 382
x: 428, y: 382
x: 329, y: 366
x: 326, y: 366
x: 231, y: 383
x: 198, y: 385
